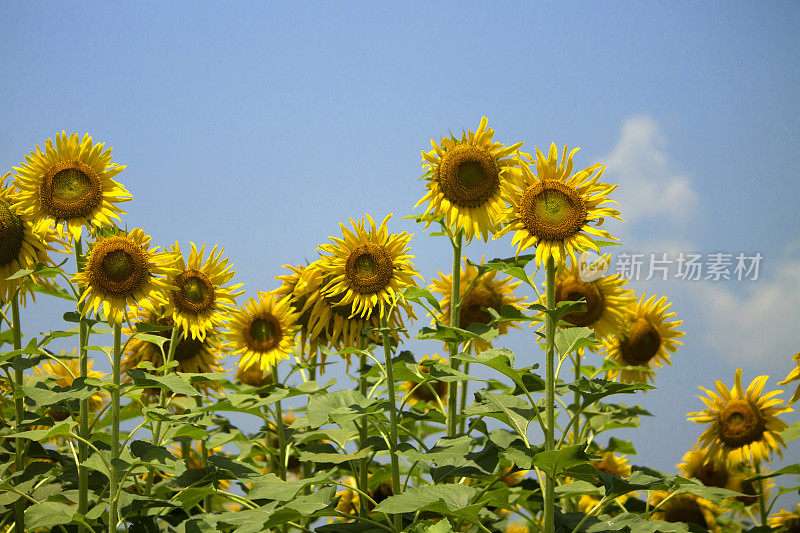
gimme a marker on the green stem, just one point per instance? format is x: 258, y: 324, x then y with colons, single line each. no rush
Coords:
x: 762, y: 507
x: 113, y: 512
x: 363, y: 428
x: 203, y: 457
x: 397, y: 489
x: 576, y: 424
x: 19, y: 413
x: 464, y: 390
x: 455, y: 312
x: 162, y: 402
x: 549, y: 437
x: 281, y: 430
x: 83, y: 427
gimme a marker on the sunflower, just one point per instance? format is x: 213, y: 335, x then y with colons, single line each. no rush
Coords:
x: 64, y: 372
x: 71, y: 183
x: 476, y: 294
x: 466, y: 180
x: 744, y: 424
x: 22, y: 244
x: 785, y: 521
x: 263, y: 331
x: 120, y: 270
x: 253, y: 375
x: 645, y: 339
x: 333, y: 324
x: 200, y: 296
x: 349, y: 500
x: 610, y: 463
x: 607, y: 302
x: 192, y: 355
x: 368, y: 267
x: 750, y: 488
x: 710, y: 471
x: 794, y: 375
x: 686, y: 508
x: 428, y: 390
x: 296, y: 286
x: 554, y: 210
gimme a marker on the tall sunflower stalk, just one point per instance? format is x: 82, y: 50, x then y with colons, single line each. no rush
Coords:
x: 19, y: 412
x: 113, y: 511
x: 363, y: 428
x: 83, y: 423
x: 549, y: 440
x: 455, y: 311
x: 387, y: 352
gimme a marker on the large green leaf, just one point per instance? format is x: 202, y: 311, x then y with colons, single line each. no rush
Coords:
x: 48, y: 515
x: 452, y: 496
x: 512, y: 410
x: 596, y: 389
x: 570, y: 339
x: 554, y: 462
x: 792, y: 432
x: 271, y: 487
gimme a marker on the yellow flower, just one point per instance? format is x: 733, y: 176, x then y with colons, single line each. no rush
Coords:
x: 516, y: 528
x: 253, y: 375
x: 645, y: 339
x: 296, y: 286
x: 192, y: 355
x: 790, y: 522
x: 122, y: 269
x: 744, y: 424
x: 609, y: 463
x: 794, y: 375
x: 430, y: 389
x: 349, y: 500
x: 466, y: 180
x: 475, y: 295
x: 368, y: 267
x: 22, y: 244
x: 263, y: 331
x: 557, y: 211
x: 200, y: 297
x: 64, y: 373
x: 711, y: 472
x: 71, y: 183
x: 686, y: 508
x: 607, y: 302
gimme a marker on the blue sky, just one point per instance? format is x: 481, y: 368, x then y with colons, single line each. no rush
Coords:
x: 261, y: 127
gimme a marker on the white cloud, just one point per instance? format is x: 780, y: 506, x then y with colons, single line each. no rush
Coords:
x: 649, y: 187
x: 760, y: 325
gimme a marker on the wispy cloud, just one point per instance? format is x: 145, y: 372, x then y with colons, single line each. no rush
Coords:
x: 649, y: 186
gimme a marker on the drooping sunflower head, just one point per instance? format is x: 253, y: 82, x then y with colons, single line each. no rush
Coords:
x: 686, y: 508
x: 794, y: 375
x: 368, y: 267
x: 303, y: 286
x: 263, y: 331
x: 646, y: 339
x: 607, y: 302
x: 64, y: 371
x: 749, y: 488
x: 789, y: 521
x: 710, y: 471
x: 121, y: 270
x: 466, y: 179
x: 23, y: 243
x: 192, y: 354
x: 200, y: 297
x: 71, y: 182
x: 743, y: 424
x: 477, y: 294
x: 431, y: 391
x: 556, y: 211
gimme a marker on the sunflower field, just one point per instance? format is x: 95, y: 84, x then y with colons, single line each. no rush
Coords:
x: 467, y: 436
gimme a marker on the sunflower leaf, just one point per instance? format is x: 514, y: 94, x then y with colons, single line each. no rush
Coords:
x: 443, y: 498
x: 415, y: 294
x: 597, y: 389
x: 792, y: 432
x: 554, y: 462
x: 571, y: 339
x: 514, y: 411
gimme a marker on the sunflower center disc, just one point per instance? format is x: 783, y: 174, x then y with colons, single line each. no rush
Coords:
x: 263, y: 333
x: 368, y: 269
x: 576, y: 291
x: 711, y: 476
x: 187, y: 349
x: 748, y: 488
x: 118, y: 266
x: 468, y: 175
x: 196, y: 292
x: 70, y: 189
x: 642, y: 344
x: 552, y: 211
x: 12, y: 234
x: 740, y: 423
x: 685, y: 510
x: 479, y: 296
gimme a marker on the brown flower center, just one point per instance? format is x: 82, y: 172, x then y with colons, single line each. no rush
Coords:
x: 642, y: 343
x: 70, y: 189
x: 263, y: 333
x: 117, y: 266
x: 195, y: 292
x: 468, y: 175
x: 368, y: 269
x: 425, y: 392
x: 479, y: 296
x: 12, y: 234
x: 751, y: 494
x: 552, y: 210
x: 711, y: 475
x: 685, y: 510
x: 573, y: 290
x: 740, y: 423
